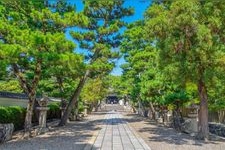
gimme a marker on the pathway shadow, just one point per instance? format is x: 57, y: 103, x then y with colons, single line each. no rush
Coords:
x: 160, y: 133
x: 49, y: 143
x: 73, y: 136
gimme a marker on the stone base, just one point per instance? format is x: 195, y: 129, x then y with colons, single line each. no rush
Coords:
x: 190, y: 126
x: 6, y: 131
x: 72, y: 118
x: 39, y: 131
x: 159, y: 120
x: 217, y: 128
x: 76, y: 118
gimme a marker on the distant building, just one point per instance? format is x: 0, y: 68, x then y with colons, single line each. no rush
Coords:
x: 112, y: 99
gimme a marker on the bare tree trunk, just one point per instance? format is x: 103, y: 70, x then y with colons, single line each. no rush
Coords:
x: 203, y: 112
x: 74, y: 99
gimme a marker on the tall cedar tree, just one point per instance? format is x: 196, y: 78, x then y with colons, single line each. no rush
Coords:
x: 189, y: 36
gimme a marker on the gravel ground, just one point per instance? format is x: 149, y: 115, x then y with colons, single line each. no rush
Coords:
x: 77, y: 136
x: 163, y: 138
x: 74, y: 136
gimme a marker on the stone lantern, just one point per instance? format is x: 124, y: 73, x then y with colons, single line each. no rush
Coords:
x: 85, y: 108
x: 192, y: 123
x: 43, y: 102
x: 193, y: 111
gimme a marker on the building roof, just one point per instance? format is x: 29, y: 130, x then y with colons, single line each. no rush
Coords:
x: 13, y: 95
x: 4, y: 94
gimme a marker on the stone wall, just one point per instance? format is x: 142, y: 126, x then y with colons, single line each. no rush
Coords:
x: 6, y: 131
x: 216, y: 128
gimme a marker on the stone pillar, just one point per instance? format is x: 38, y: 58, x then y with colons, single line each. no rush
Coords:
x: 85, y: 109
x: 62, y: 111
x: 165, y: 117
x: 169, y: 117
x: 42, y: 115
x: 193, y: 115
x: 156, y: 115
x: 193, y: 126
x: 6, y: 131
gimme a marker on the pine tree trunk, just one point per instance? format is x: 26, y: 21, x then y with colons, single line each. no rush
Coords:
x: 36, y: 112
x: 203, y: 112
x: 74, y: 99
x: 152, y: 110
x: 30, y: 90
x: 96, y: 107
x: 29, y: 114
x: 61, y: 89
x: 76, y: 111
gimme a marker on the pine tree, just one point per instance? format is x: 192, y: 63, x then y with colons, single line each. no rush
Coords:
x: 98, y: 39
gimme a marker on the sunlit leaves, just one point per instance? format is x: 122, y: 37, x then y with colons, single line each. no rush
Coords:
x: 95, y: 90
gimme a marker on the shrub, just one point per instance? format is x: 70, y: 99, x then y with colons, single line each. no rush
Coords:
x: 13, y: 114
x: 4, y: 115
x: 54, y: 111
x: 16, y: 114
x: 81, y: 107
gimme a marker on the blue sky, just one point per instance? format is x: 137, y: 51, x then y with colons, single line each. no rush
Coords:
x: 139, y: 6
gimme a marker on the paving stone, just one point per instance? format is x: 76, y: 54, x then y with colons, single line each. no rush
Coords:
x: 117, y: 135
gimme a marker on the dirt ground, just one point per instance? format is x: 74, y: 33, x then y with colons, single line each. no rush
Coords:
x: 159, y: 137
x: 74, y: 136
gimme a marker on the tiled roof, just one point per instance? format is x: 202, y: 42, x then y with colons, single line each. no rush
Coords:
x: 4, y: 94
x: 13, y: 95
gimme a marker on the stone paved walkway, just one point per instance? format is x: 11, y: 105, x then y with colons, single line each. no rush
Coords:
x: 116, y: 134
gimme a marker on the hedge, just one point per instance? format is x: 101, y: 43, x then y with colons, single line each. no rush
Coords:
x: 16, y: 114
x: 13, y: 114
x: 54, y: 111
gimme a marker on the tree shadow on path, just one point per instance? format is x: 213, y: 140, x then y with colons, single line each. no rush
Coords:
x: 158, y: 133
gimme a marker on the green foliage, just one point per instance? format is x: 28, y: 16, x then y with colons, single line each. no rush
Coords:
x: 4, y: 115
x: 173, y: 48
x: 16, y: 114
x: 10, y: 86
x: 94, y: 91
x: 177, y: 48
x: 101, y: 34
x: 184, y: 40
x: 54, y: 111
x: 116, y: 86
x: 176, y: 97
x: 81, y: 107
x: 13, y: 114
x: 33, y: 38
